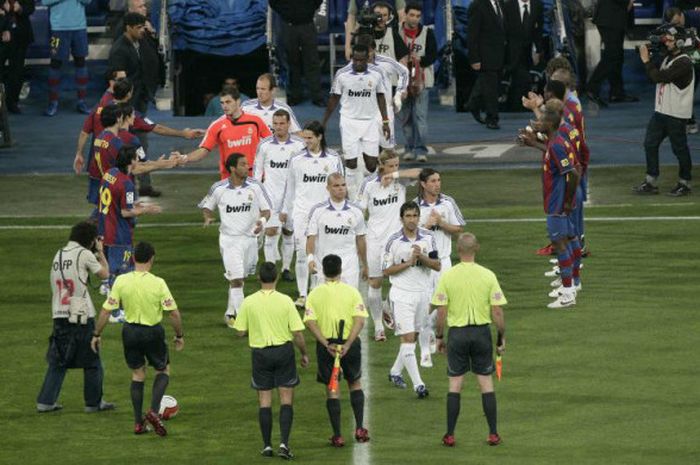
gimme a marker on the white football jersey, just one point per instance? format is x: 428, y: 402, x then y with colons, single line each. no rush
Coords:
x: 449, y: 211
x: 76, y: 262
x: 336, y: 227
x: 253, y: 107
x: 307, y: 178
x: 358, y: 91
x: 396, y: 73
x: 239, y: 207
x: 272, y: 165
x: 399, y: 249
x: 383, y: 205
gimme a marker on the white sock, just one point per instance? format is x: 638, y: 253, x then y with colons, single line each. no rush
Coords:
x: 235, y: 299
x: 270, y: 248
x: 352, y: 182
x: 397, y: 368
x: 409, y: 361
x: 302, y: 272
x: 374, y: 302
x: 287, y: 251
x: 424, y: 341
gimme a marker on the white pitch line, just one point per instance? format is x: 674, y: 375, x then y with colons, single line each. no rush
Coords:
x: 360, y: 451
x: 478, y: 220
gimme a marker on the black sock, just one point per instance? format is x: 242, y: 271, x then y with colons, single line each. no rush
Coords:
x: 357, y: 400
x: 137, y: 400
x: 159, y: 386
x: 488, y: 402
x: 265, y: 419
x: 286, y: 417
x: 333, y: 406
x: 453, y: 404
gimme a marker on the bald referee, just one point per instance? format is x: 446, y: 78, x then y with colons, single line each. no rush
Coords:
x: 470, y: 297
x: 328, y: 305
x: 144, y: 297
x: 271, y: 321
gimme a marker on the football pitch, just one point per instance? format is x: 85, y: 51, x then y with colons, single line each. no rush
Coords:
x: 612, y: 381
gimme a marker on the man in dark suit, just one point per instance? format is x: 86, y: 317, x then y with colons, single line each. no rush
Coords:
x: 610, y: 18
x: 524, y: 19
x: 125, y: 55
x: 16, y: 13
x: 486, y: 38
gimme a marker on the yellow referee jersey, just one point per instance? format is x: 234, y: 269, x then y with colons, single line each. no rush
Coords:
x: 468, y: 290
x: 143, y: 296
x: 331, y: 302
x: 269, y: 317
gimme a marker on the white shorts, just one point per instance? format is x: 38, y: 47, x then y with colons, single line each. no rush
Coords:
x: 359, y: 136
x: 240, y: 255
x: 350, y: 274
x: 389, y: 143
x: 300, y: 223
x: 375, y: 253
x: 410, y: 310
x: 274, y: 222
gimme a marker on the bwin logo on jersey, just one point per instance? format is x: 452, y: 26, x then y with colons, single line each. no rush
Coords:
x: 342, y: 230
x: 278, y: 164
x: 238, y: 208
x: 386, y: 201
x: 360, y: 93
x: 246, y: 140
x: 315, y: 178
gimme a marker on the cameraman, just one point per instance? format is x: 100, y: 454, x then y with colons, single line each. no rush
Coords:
x: 674, y: 106
x: 387, y: 39
x: 69, y: 344
x: 676, y: 17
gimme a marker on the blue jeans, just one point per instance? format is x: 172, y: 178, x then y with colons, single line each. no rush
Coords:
x: 414, y: 121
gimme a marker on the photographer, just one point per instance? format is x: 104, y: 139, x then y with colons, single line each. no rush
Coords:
x: 674, y: 106
x: 379, y: 21
x: 74, y: 320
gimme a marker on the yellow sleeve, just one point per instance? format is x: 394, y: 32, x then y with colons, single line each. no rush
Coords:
x: 440, y: 295
x: 358, y: 306
x: 496, y: 296
x: 241, y: 323
x: 295, y: 323
x: 167, y: 302
x: 113, y: 299
x: 309, y: 312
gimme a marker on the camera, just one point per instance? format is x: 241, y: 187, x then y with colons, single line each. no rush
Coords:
x: 367, y: 20
x: 686, y: 39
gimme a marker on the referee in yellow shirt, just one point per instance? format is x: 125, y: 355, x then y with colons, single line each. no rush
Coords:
x: 471, y: 298
x: 271, y: 321
x: 326, y: 306
x: 144, y: 297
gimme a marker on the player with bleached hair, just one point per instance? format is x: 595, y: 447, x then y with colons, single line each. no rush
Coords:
x: 381, y: 196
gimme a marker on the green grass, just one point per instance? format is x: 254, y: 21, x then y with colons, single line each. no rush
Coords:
x: 614, y: 381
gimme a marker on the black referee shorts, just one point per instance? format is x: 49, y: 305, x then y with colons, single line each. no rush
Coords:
x: 469, y: 348
x: 145, y: 343
x: 351, y: 364
x: 274, y: 367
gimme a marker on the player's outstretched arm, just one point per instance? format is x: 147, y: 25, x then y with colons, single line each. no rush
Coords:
x: 194, y: 156
x: 142, y: 209
x: 186, y: 133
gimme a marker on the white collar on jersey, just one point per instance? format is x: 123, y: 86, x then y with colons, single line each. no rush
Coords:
x: 231, y: 186
x: 423, y: 203
x: 308, y: 154
x: 289, y: 140
x: 406, y: 239
x: 332, y: 207
x: 272, y: 107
